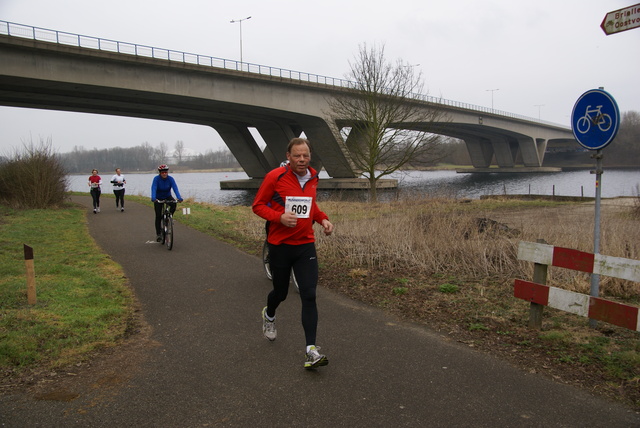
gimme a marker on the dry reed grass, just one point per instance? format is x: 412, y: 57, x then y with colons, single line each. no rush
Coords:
x: 475, y: 239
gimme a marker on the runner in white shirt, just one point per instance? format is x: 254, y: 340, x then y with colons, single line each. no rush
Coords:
x: 118, y: 182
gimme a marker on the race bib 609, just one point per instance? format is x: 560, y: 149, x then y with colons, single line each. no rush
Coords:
x: 300, y: 205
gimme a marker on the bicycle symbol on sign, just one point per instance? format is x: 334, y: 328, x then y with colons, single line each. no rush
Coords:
x: 594, y: 116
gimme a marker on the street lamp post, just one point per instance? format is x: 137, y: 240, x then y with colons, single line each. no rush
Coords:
x: 233, y: 21
x: 492, y: 91
x: 538, y: 105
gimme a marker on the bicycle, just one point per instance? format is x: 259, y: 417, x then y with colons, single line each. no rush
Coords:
x: 602, y: 120
x: 267, y: 265
x: 167, y: 223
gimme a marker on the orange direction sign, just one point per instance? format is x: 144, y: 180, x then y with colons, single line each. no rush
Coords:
x: 621, y: 20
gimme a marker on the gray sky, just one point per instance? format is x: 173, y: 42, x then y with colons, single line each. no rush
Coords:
x: 530, y: 57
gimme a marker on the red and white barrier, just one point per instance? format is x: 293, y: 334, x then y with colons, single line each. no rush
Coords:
x: 577, y: 260
x: 580, y: 304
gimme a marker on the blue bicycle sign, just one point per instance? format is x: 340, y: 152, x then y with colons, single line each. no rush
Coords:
x: 595, y: 119
x: 594, y: 115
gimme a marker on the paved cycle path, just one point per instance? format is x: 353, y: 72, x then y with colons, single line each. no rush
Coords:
x: 207, y: 364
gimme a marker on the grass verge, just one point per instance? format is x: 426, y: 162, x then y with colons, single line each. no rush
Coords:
x: 83, y: 301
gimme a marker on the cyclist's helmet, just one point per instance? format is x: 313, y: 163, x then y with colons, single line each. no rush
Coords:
x: 163, y: 167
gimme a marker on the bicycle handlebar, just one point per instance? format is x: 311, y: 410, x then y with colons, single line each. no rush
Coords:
x: 166, y: 201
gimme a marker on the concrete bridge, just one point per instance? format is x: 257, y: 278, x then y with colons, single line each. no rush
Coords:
x: 49, y: 69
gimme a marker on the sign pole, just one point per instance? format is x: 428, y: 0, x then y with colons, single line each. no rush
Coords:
x: 595, y: 277
x: 595, y: 121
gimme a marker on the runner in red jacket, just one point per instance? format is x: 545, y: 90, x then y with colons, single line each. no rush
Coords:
x: 287, y: 200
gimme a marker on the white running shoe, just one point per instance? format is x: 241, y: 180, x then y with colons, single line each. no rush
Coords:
x: 268, y: 327
x: 315, y: 359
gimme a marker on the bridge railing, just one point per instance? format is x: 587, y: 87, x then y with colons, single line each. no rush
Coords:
x: 64, y: 38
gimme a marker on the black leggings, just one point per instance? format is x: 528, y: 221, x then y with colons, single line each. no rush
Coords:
x: 158, y: 207
x: 95, y: 195
x: 304, y: 262
x: 119, y: 197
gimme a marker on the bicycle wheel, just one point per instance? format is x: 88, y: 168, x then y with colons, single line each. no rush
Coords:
x: 267, y: 265
x: 163, y: 229
x: 169, y: 233
x: 265, y: 259
x: 295, y: 281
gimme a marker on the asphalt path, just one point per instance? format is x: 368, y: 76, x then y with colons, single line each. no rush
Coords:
x: 206, y: 363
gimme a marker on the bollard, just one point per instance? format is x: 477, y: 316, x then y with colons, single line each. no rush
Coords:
x: 31, y: 275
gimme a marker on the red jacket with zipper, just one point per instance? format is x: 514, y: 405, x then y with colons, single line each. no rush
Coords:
x: 269, y: 204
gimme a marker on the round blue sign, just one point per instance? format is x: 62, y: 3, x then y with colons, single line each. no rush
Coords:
x: 595, y: 119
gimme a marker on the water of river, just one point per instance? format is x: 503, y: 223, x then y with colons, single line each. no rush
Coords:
x: 205, y: 186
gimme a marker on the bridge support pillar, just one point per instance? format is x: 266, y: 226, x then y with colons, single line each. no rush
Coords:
x: 277, y: 136
x: 244, y: 147
x: 325, y: 139
x: 505, y: 152
x: 480, y: 151
x: 532, y: 150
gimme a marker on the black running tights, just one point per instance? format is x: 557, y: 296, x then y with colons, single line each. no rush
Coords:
x: 95, y: 195
x: 119, y: 197
x: 303, y: 260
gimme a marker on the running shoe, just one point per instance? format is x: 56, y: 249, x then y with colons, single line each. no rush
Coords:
x: 315, y: 359
x: 268, y: 327
x: 158, y: 238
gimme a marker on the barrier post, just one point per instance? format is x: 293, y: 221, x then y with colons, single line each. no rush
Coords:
x: 536, y: 309
x: 31, y: 275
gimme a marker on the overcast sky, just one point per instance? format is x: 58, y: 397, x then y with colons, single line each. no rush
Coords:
x: 530, y: 57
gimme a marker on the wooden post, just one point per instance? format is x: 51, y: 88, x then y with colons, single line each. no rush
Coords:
x: 536, y: 309
x: 31, y: 275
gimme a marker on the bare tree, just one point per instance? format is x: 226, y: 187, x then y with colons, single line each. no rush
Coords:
x: 387, y: 126
x: 161, y: 152
x: 624, y: 150
x: 179, y: 150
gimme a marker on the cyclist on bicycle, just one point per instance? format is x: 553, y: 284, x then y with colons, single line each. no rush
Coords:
x: 161, y: 188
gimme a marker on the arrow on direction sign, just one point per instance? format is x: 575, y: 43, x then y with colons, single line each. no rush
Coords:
x: 621, y: 20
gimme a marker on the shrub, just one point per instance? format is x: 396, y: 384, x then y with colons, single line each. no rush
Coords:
x: 399, y: 291
x: 33, y: 178
x: 448, y: 288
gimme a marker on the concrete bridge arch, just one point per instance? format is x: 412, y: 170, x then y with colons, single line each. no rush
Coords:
x: 39, y: 74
